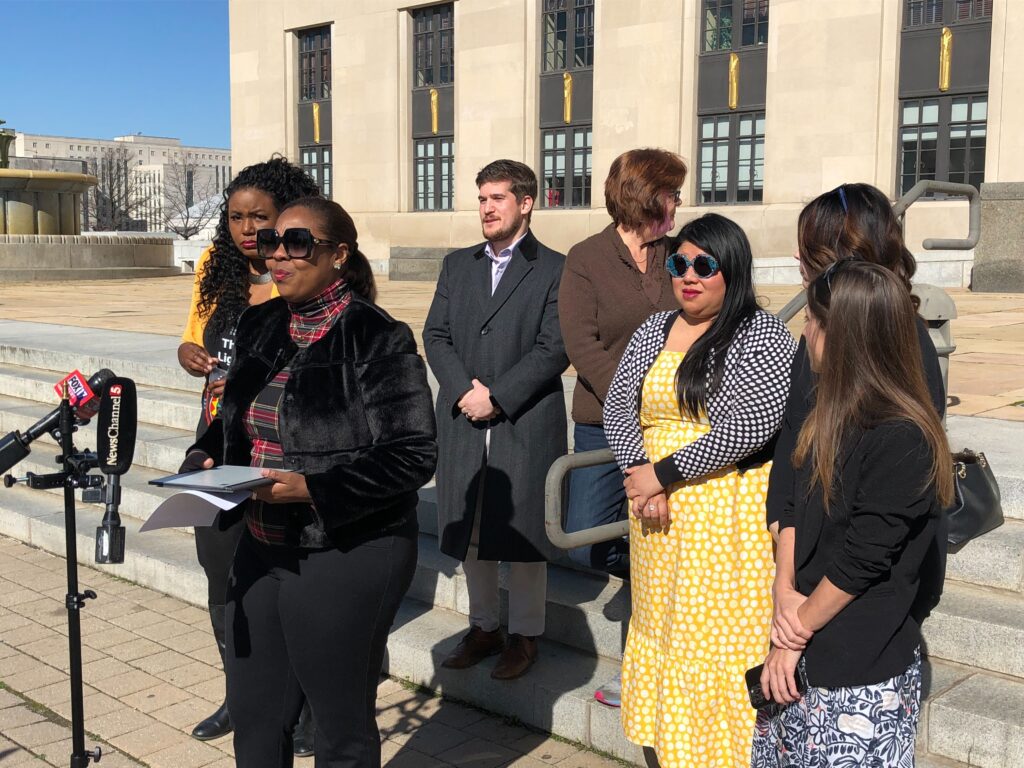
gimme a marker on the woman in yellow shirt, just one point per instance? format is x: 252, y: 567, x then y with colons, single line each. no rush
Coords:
x: 229, y: 278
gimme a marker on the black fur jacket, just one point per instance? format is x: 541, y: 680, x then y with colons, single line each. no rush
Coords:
x: 356, y: 417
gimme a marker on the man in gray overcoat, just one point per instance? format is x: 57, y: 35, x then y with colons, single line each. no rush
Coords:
x: 493, y: 341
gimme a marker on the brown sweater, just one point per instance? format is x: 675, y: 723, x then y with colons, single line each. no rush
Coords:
x: 603, y: 298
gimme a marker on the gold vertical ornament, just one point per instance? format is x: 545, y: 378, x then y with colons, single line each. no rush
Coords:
x: 734, y: 81
x: 316, y: 122
x: 566, y: 97
x: 433, y: 111
x: 945, y: 58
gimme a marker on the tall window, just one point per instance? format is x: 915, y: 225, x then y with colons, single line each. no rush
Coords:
x: 942, y: 128
x: 568, y: 30
x: 316, y: 161
x: 434, y: 45
x: 731, y: 149
x: 943, y: 139
x: 433, y: 107
x: 566, y: 119
x: 722, y: 17
x: 315, y: 64
x: 435, y: 173
x: 566, y: 167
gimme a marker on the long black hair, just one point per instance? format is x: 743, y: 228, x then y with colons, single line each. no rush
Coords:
x: 224, y: 287
x: 338, y: 226
x: 702, y: 368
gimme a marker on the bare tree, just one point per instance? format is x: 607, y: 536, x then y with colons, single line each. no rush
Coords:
x: 121, y: 195
x: 191, y: 195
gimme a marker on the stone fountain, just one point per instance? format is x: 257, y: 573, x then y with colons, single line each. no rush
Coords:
x: 41, y: 231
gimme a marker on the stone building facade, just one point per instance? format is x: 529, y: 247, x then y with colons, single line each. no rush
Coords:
x: 771, y: 102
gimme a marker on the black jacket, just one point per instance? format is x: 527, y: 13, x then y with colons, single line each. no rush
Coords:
x: 356, y: 417
x: 800, y: 401
x: 871, y: 543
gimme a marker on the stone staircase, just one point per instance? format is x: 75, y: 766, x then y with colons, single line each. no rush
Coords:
x: 974, y: 710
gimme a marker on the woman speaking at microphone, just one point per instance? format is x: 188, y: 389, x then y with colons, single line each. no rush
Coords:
x: 229, y: 278
x: 326, y: 385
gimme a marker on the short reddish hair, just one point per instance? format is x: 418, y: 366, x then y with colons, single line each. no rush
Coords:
x: 635, y: 183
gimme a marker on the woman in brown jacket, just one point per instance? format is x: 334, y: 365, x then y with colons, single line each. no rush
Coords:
x: 612, y: 282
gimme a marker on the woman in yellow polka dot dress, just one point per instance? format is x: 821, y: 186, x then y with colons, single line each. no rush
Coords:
x: 693, y: 407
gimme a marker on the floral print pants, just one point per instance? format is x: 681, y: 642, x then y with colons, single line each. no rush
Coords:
x: 866, y: 726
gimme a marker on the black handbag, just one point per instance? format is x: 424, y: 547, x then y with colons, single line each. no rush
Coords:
x: 976, y: 508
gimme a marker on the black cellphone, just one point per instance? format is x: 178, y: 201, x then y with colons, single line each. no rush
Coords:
x: 753, y: 678
x: 216, y: 374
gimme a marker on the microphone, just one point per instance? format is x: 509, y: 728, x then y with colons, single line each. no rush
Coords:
x: 116, y: 424
x: 14, y: 447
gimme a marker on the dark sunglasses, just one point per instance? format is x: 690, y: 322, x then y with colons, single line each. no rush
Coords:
x: 704, y: 266
x: 298, y: 243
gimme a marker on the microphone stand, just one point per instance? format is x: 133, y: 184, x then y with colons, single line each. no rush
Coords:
x: 74, y: 601
x: 73, y: 475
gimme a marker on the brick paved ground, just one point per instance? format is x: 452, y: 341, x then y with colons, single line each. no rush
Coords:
x: 151, y: 671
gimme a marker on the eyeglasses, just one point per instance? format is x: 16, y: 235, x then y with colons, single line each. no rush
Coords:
x: 298, y: 243
x: 677, y: 196
x: 704, y: 266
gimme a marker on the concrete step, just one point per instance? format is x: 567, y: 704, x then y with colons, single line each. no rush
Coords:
x: 993, y: 560
x: 147, y: 358
x: 85, y: 273
x: 1000, y: 440
x: 138, y: 498
x: 978, y: 721
x: 156, y: 447
x: 588, y: 612
x: 158, y: 405
x: 556, y: 696
x: 978, y: 627
x: 164, y: 560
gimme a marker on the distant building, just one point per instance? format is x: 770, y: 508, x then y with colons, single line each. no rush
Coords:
x: 149, y: 158
x: 771, y: 102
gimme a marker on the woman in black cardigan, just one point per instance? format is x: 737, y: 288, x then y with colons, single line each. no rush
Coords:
x: 872, y: 473
x: 852, y: 218
x: 326, y: 385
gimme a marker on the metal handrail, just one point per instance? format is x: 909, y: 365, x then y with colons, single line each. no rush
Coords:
x: 554, y: 483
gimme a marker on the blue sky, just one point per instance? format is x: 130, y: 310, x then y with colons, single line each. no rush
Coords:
x: 105, y: 68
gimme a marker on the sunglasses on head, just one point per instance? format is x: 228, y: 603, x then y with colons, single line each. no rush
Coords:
x: 704, y: 266
x: 298, y: 243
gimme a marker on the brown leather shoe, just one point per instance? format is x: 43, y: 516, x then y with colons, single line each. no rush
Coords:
x: 518, y: 656
x: 476, y: 646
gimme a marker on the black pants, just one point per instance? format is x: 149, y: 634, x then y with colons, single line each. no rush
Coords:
x: 215, y: 548
x: 314, y: 622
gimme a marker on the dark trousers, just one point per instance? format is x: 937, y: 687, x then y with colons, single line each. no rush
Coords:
x: 314, y: 622
x: 215, y: 548
x: 596, y: 497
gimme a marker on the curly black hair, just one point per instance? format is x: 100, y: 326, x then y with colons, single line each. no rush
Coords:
x: 224, y: 288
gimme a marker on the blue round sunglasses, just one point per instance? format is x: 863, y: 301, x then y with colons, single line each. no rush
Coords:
x: 704, y: 266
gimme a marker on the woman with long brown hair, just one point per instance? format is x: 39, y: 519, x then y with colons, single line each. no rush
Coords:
x: 852, y: 218
x: 872, y: 472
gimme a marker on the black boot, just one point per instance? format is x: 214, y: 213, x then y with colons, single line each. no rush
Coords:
x: 303, y: 733
x: 219, y: 723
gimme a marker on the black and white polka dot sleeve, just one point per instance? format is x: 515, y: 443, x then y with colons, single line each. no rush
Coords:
x: 622, y: 405
x: 746, y: 411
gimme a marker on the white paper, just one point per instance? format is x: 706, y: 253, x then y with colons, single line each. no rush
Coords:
x: 192, y: 508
